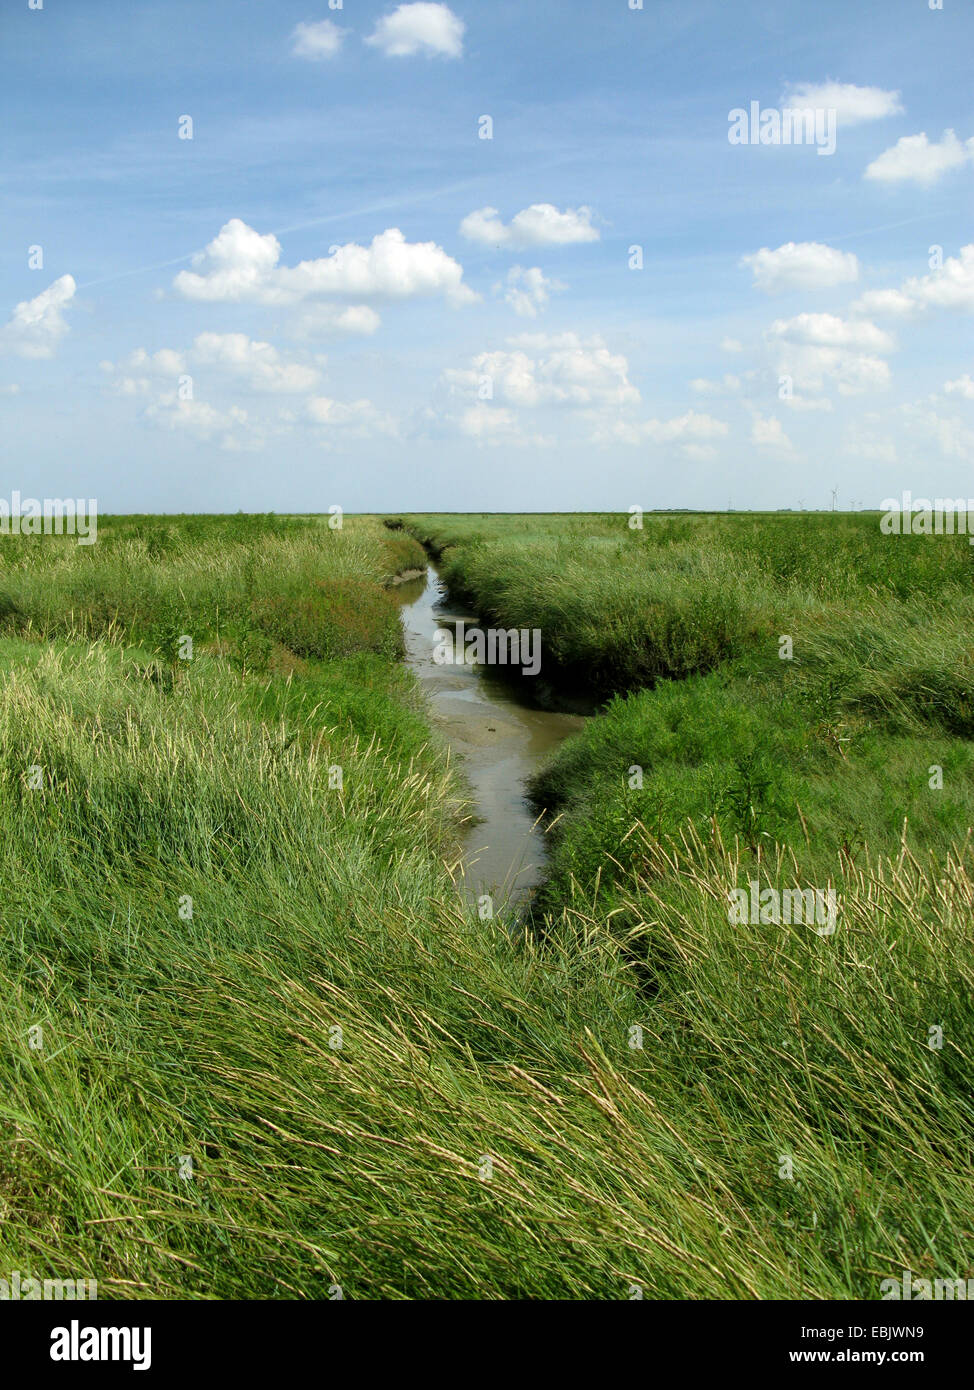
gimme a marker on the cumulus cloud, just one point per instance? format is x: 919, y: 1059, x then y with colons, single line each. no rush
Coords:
x: 37, y: 325
x: 528, y: 291
x: 165, y: 362
x: 950, y: 435
x: 240, y: 264
x: 950, y: 287
x: 731, y: 345
x: 196, y: 419
x: 258, y: 366
x: 549, y: 369
x: 852, y: 105
x: 805, y: 265
x: 322, y: 39
x: 916, y: 159
x: 352, y: 418
x: 692, y: 425
x: 328, y: 320
x: 492, y: 426
x: 891, y: 302
x: 864, y: 443
x: 541, y: 224
x: 729, y: 385
x: 217, y: 366
x: 487, y: 422
x: 767, y: 432
x: 963, y: 386
x: 828, y: 330
x: 690, y: 431
x: 419, y: 28
x: 236, y: 265
x: 813, y: 349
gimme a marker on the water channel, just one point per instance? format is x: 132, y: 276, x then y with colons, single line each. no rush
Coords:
x: 500, y: 735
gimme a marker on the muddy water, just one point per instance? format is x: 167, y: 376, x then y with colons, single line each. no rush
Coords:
x: 500, y: 738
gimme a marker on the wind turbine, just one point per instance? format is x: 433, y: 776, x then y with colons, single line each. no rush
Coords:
x: 834, y: 492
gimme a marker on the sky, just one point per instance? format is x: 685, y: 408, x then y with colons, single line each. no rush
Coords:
x: 496, y: 255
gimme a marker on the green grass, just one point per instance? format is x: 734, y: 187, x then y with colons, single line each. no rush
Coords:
x: 620, y: 609
x: 246, y: 583
x: 638, y: 1071
x: 827, y: 751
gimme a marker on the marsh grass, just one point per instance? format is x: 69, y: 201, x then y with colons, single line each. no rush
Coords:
x: 211, y: 1036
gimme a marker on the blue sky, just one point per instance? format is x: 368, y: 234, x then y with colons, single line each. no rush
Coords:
x: 336, y: 292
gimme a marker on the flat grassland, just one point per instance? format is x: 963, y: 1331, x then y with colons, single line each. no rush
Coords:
x: 255, y: 1043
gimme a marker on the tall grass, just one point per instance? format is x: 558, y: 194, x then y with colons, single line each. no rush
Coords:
x: 291, y: 581
x: 256, y: 1045
x: 620, y: 609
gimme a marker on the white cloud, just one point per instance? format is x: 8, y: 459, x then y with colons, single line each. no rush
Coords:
x: 355, y: 418
x: 690, y: 431
x: 828, y: 330
x: 488, y: 423
x: 698, y: 453
x: 259, y: 364
x: 541, y: 224
x: 806, y: 265
x: 557, y: 369
x: 483, y: 420
x: 891, y: 302
x: 165, y: 362
x: 951, y: 435
x: 919, y: 160
x: 197, y: 419
x: 541, y: 371
x: 963, y: 386
x: 814, y: 348
x: 528, y: 290
x: 322, y: 39
x: 729, y: 385
x: 864, y: 443
x: 419, y: 28
x: 494, y: 426
x: 951, y: 287
x: 767, y: 432
x: 236, y: 265
x: 242, y: 265
x: 691, y: 425
x: 852, y: 105
x: 219, y: 365
x: 731, y: 345
x: 319, y: 320
x: 37, y: 325
x: 131, y: 386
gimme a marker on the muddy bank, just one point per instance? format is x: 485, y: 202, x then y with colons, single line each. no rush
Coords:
x: 499, y: 732
x: 405, y: 577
